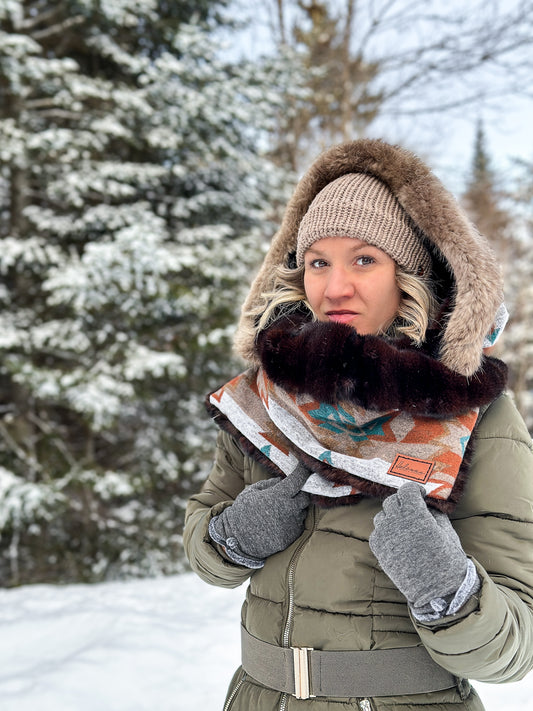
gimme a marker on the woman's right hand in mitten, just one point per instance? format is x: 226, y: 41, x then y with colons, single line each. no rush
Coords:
x: 264, y: 518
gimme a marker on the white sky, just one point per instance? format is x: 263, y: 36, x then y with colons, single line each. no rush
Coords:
x: 445, y: 140
x: 448, y: 144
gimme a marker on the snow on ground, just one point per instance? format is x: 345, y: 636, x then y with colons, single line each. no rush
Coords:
x: 169, y: 644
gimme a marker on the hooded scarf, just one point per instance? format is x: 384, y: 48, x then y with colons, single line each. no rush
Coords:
x: 362, y: 413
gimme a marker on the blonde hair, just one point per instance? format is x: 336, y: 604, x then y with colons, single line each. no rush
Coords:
x: 417, y: 304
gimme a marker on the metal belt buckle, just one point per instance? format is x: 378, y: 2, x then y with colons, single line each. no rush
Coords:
x: 302, y: 676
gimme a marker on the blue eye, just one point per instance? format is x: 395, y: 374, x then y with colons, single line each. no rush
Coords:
x: 317, y: 263
x: 364, y: 260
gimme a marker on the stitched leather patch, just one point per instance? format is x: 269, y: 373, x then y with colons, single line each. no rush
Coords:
x: 411, y: 468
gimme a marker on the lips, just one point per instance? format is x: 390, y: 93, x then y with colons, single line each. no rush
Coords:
x: 341, y: 316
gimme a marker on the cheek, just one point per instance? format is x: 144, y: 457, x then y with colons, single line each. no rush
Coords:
x: 388, y: 296
x: 396, y: 296
x: 314, y: 295
x: 391, y: 286
x: 310, y: 288
x: 393, y: 301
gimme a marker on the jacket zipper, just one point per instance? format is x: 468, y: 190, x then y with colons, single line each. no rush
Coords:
x: 234, y: 693
x: 290, y: 583
x: 364, y: 704
x: 290, y: 588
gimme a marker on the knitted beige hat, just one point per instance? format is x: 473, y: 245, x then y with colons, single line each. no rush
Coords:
x: 359, y: 205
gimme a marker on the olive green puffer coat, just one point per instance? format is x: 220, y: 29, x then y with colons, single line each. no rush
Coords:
x: 337, y: 597
x: 327, y: 590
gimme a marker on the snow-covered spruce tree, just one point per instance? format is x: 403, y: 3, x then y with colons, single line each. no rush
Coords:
x: 509, y: 231
x: 518, y: 342
x: 133, y: 200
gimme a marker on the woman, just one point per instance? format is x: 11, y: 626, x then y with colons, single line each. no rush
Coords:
x: 372, y: 479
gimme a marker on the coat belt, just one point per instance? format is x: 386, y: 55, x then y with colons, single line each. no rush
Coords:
x: 306, y: 672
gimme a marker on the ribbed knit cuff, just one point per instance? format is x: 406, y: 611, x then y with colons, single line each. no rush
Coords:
x: 231, y: 548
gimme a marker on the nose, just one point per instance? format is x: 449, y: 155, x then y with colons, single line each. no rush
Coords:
x: 340, y: 285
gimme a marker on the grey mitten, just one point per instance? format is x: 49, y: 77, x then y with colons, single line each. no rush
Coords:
x: 264, y: 518
x: 418, y: 548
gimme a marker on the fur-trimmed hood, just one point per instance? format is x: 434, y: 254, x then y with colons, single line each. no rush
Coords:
x: 463, y: 256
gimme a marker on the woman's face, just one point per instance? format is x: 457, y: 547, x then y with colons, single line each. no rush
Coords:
x: 349, y: 281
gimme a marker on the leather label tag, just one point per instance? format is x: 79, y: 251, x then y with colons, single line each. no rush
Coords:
x: 411, y: 468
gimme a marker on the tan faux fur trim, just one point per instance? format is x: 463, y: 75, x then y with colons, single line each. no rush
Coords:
x: 479, y: 289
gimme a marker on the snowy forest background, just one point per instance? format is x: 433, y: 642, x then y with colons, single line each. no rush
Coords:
x: 147, y: 148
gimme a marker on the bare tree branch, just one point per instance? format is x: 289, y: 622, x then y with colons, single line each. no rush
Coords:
x: 407, y: 57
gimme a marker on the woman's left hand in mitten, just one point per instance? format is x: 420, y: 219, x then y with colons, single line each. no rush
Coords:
x: 420, y: 551
x: 264, y: 519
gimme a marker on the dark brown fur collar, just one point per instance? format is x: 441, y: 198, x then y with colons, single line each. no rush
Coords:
x: 332, y: 363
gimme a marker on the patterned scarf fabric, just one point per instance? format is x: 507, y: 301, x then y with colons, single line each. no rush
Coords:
x: 352, y: 451
x: 363, y: 413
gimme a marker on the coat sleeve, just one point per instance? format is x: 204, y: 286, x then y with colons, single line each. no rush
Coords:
x: 494, y: 642
x: 224, y: 483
